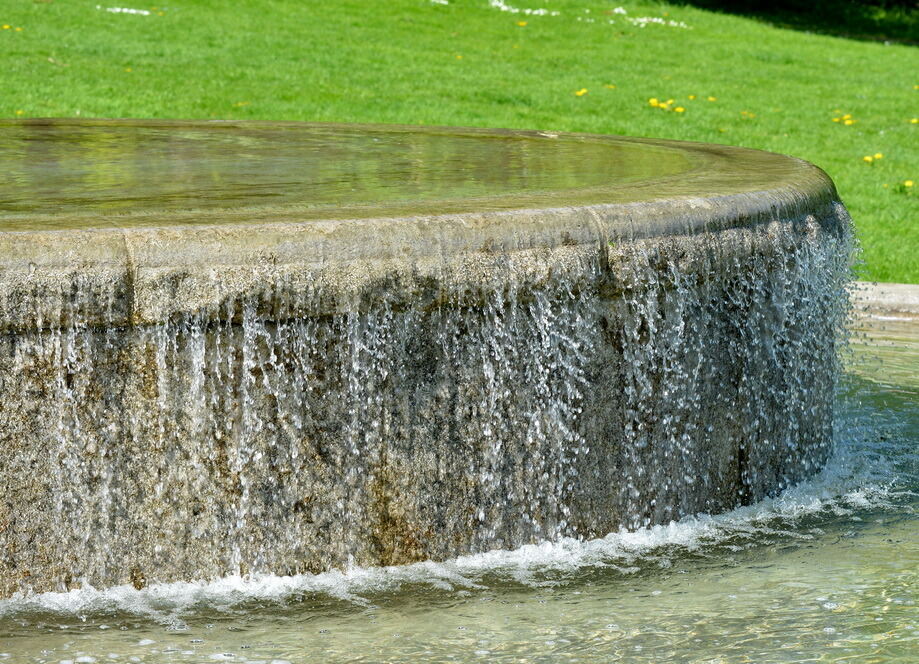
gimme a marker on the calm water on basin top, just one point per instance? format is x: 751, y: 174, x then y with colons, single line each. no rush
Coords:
x: 67, y: 174
x: 829, y: 571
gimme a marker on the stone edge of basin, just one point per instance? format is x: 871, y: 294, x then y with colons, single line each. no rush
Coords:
x: 751, y: 187
x: 900, y: 300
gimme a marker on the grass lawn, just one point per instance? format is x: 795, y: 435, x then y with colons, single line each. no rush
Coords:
x: 470, y: 62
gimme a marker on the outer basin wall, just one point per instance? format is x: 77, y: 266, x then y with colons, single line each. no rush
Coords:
x: 147, y: 432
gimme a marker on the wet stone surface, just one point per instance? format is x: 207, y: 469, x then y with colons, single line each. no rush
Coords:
x: 290, y: 396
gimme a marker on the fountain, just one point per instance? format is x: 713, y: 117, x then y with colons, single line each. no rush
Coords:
x: 233, y: 348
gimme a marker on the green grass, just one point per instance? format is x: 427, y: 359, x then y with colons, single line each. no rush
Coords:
x: 417, y: 62
x: 877, y: 20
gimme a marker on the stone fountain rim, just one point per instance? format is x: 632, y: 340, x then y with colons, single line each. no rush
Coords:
x: 737, y: 188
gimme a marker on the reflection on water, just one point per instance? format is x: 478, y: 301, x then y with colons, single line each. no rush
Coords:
x: 66, y: 167
x: 829, y: 571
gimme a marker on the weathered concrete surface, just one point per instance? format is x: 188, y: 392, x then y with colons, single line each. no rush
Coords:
x: 262, y: 393
x: 161, y: 264
x: 898, y: 299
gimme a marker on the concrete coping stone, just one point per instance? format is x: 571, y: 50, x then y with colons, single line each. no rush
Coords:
x: 901, y: 300
x: 108, y: 217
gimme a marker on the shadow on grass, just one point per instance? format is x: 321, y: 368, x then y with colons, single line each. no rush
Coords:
x: 868, y: 20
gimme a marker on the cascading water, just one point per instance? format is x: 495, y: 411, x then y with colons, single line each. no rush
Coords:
x: 285, y: 392
x: 289, y: 348
x: 276, y: 434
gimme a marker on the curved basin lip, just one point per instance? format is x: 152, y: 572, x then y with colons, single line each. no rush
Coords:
x: 725, y: 179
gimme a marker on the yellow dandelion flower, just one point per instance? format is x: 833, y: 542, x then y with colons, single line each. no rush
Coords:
x: 18, y: 29
x: 6, y: 27
x: 668, y: 102
x: 581, y: 92
x: 848, y: 122
x: 868, y: 159
x: 836, y: 119
x: 19, y: 112
x: 847, y: 116
x: 522, y: 24
x: 907, y: 183
x: 878, y: 155
x: 459, y: 57
x: 679, y: 109
x: 713, y: 98
x: 609, y: 87
x: 914, y: 121
x: 654, y: 102
x: 692, y: 97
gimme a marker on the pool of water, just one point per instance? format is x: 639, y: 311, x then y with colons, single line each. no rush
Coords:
x: 68, y: 173
x: 73, y: 173
x: 828, y: 571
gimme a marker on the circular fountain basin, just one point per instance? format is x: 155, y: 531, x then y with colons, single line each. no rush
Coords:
x: 283, y: 347
x: 65, y: 174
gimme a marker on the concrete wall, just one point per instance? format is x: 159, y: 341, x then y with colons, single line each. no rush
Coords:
x: 188, y: 402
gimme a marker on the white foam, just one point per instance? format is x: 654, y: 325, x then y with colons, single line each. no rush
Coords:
x: 621, y: 550
x: 859, y: 476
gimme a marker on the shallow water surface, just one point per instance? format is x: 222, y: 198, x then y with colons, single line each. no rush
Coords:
x: 76, y: 174
x: 828, y: 571
x: 72, y: 173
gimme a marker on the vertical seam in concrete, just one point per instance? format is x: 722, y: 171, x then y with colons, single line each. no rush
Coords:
x: 598, y: 225
x: 131, y: 278
x: 602, y: 237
